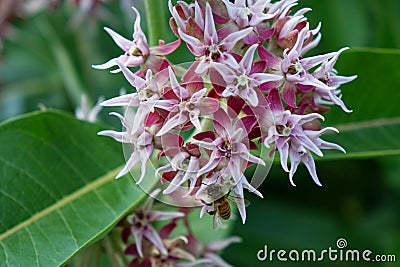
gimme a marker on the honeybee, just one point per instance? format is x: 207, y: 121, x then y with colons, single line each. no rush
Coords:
x: 222, y: 203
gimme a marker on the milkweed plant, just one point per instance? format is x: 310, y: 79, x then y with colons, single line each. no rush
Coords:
x: 250, y: 88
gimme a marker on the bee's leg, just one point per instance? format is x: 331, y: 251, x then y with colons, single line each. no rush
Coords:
x: 211, y: 212
x: 205, y: 203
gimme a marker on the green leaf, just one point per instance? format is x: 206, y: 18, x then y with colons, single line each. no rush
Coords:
x: 372, y: 128
x: 58, y: 191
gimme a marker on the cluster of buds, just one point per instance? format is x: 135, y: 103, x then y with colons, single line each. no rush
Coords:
x: 249, y: 88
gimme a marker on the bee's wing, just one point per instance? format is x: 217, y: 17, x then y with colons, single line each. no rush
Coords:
x: 217, y: 222
x: 232, y: 200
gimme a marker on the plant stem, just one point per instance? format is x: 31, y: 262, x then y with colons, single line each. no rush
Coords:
x: 155, y: 20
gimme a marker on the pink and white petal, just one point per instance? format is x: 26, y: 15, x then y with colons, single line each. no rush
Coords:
x: 245, y: 154
x: 274, y: 100
x: 171, y: 140
x: 283, y: 148
x: 190, y: 72
x: 258, y: 67
x: 310, y: 62
x: 270, y: 58
x: 118, y: 136
x: 194, y: 44
x: 208, y: 105
x: 165, y: 215
x: 144, y: 155
x: 122, y: 42
x: 230, y: 41
x: 112, y: 62
x: 177, y: 120
x: 238, y: 193
x: 133, y: 61
x: 194, y: 118
x: 215, y: 260
x: 231, y: 9
x: 251, y: 39
x: 247, y: 60
x: 210, y: 135
x: 227, y: 30
x: 328, y: 145
x: 294, y: 163
x: 310, y: 164
x: 260, y: 78
x: 249, y: 187
x: 175, y: 183
x: 221, y: 244
x: 198, y: 16
x: 124, y: 101
x: 151, y: 234
x: 197, y: 96
x: 222, y: 122
x: 250, y: 96
x: 211, y: 164
x: 165, y: 49
x: 138, y: 236
x: 289, y: 94
x: 210, y: 33
x: 307, y: 143
x: 134, y: 80
x: 139, y: 36
x: 178, y: 90
x: 265, y: 34
x: 203, y: 67
x: 132, y: 161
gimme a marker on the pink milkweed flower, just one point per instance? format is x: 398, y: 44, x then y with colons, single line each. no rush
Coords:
x: 293, y: 140
x: 184, y: 165
x: 211, y: 49
x: 142, y: 227
x: 140, y: 141
x: 288, y: 27
x: 244, y: 80
x: 208, y: 253
x: 84, y: 112
x: 137, y: 52
x: 229, y: 146
x: 188, y: 18
x: 251, y: 13
x: 328, y: 75
x: 295, y: 70
x: 188, y: 105
x: 147, y: 97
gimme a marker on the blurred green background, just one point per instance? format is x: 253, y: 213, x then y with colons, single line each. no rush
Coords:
x: 47, y: 58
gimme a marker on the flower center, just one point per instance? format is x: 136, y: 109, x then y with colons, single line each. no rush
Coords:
x: 295, y: 68
x: 214, y: 52
x: 135, y: 51
x: 226, y: 148
x: 245, y: 12
x: 283, y: 130
x: 242, y: 81
x: 145, y: 94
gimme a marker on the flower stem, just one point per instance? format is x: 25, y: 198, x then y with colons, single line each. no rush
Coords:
x: 155, y: 14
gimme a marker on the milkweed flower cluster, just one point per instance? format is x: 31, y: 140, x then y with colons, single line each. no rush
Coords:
x: 250, y: 87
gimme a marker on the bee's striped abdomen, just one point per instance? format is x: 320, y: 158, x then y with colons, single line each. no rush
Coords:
x: 224, y: 210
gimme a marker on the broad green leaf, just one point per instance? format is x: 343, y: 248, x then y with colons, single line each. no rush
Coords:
x: 58, y: 191
x: 372, y: 129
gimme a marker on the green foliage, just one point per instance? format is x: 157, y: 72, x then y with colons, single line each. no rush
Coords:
x: 372, y: 128
x: 58, y: 191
